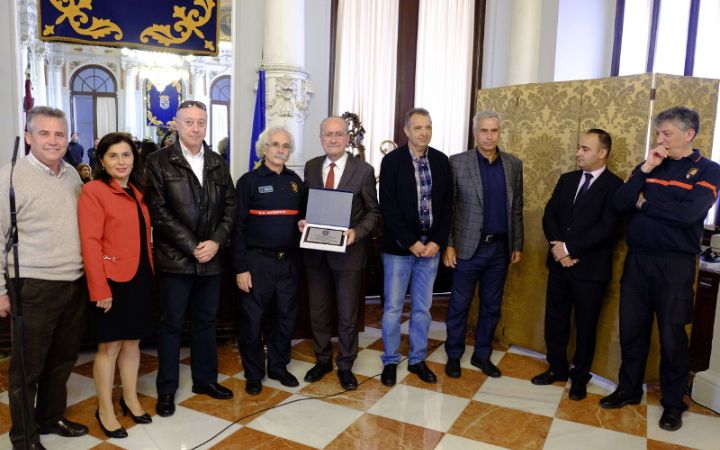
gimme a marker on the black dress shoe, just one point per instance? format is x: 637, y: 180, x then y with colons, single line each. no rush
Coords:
x: 671, y: 419
x: 452, y: 368
x: 548, y: 377
x: 118, y: 433
x: 389, y: 375
x: 65, y: 428
x: 253, y: 387
x: 486, y: 366
x: 347, y: 380
x: 165, y: 405
x: 144, y: 419
x: 317, y: 372
x: 285, y: 378
x: 618, y: 399
x: 214, y: 390
x: 578, y: 391
x: 423, y: 372
x: 34, y: 446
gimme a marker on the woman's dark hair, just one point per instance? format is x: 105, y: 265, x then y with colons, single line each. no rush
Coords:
x: 137, y: 174
x: 147, y: 146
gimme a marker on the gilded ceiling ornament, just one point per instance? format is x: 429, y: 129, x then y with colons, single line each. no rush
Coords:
x: 188, y: 22
x: 72, y: 10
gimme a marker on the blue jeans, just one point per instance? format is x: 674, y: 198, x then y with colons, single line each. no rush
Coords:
x: 488, y: 267
x: 419, y: 273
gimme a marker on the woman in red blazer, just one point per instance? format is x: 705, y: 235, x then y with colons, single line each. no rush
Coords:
x: 115, y: 238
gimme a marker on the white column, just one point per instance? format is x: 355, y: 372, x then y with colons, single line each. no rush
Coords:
x: 131, y: 71
x: 288, y: 90
x: 524, y: 41
x: 706, y: 385
x: 55, y: 66
x: 37, y: 70
x: 199, y: 93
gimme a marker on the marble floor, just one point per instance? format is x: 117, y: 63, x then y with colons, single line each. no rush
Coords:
x: 473, y: 412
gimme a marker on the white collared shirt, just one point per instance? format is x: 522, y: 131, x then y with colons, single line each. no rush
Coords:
x: 339, y: 168
x: 197, y: 162
x: 36, y: 163
x: 595, y: 175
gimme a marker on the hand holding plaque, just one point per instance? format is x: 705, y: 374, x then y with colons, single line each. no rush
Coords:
x: 328, y: 218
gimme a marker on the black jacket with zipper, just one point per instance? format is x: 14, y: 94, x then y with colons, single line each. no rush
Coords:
x: 185, y: 213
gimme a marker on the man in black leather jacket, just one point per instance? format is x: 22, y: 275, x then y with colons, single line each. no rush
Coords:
x: 192, y: 206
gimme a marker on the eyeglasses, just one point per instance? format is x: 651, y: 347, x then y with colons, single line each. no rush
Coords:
x: 276, y: 144
x: 191, y: 103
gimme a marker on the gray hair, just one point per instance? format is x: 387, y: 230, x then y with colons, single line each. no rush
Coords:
x: 322, y: 124
x: 264, y: 139
x: 44, y: 111
x: 486, y: 114
x: 683, y: 118
x: 421, y: 111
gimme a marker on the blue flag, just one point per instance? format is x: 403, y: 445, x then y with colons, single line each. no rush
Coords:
x: 258, y: 120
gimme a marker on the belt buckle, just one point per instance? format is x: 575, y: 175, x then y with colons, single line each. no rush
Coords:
x: 489, y: 239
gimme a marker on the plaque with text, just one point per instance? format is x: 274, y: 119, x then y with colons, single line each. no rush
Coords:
x: 327, y: 219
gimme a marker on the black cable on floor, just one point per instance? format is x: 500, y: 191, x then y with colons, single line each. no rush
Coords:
x: 321, y: 397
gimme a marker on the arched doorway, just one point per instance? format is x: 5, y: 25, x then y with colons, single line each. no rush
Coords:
x: 220, y: 111
x: 93, y: 103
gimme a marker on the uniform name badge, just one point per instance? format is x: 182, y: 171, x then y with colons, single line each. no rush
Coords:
x: 328, y: 218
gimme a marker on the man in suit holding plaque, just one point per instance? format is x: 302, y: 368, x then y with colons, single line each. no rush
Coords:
x: 580, y: 225
x: 485, y: 237
x: 336, y: 278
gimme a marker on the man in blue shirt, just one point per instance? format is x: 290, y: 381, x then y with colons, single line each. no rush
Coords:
x: 486, y: 236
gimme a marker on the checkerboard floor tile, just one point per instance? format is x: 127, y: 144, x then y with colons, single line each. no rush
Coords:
x: 472, y: 412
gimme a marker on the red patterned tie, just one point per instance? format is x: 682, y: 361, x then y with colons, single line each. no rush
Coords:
x: 330, y: 180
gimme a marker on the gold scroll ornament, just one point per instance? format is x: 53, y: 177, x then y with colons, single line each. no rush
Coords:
x: 188, y: 23
x: 72, y: 11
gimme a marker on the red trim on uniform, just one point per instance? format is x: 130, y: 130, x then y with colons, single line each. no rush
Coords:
x: 274, y: 212
x: 698, y: 158
x: 709, y: 186
x: 670, y: 183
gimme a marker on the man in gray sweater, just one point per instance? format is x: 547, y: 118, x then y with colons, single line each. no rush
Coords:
x: 51, y: 286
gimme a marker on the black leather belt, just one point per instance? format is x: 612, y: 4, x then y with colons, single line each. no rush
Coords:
x: 271, y: 253
x: 491, y: 238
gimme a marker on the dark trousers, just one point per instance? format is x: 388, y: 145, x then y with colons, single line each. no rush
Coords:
x: 565, y: 292
x: 488, y: 267
x: 201, y: 296
x: 661, y: 285
x: 54, y: 317
x: 273, y: 296
x: 334, y: 292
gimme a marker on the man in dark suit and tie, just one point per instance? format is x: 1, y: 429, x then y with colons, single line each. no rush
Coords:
x: 485, y: 237
x: 416, y: 206
x: 581, y: 225
x: 335, y: 279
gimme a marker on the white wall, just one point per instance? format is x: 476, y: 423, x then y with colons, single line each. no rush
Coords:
x: 248, y: 21
x: 317, y: 63
x: 530, y: 41
x: 584, y: 39
x: 11, y: 91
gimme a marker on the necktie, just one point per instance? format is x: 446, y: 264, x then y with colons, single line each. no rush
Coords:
x: 585, y: 186
x: 330, y: 180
